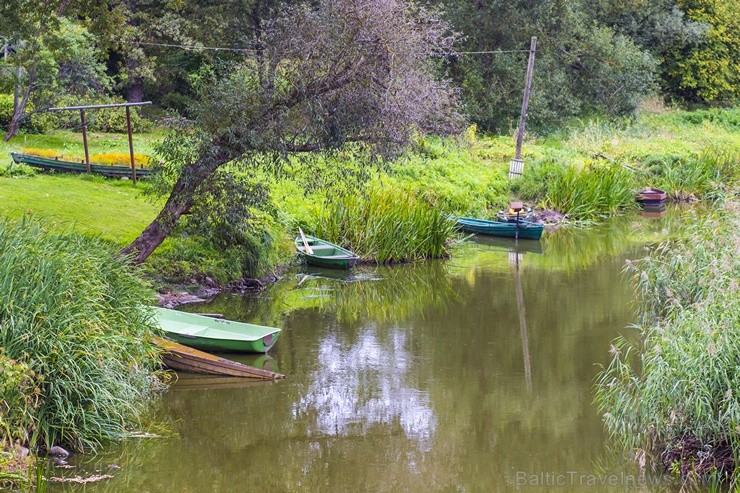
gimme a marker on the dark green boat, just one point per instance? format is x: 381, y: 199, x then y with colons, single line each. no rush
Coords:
x: 73, y: 167
x: 212, y: 334
x: 325, y: 254
x: 522, y: 229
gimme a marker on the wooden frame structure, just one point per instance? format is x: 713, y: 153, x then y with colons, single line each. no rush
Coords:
x: 84, y: 127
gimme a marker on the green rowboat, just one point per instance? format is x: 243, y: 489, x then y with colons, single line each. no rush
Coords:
x: 325, y: 254
x: 212, y: 334
x: 522, y: 229
x: 73, y: 167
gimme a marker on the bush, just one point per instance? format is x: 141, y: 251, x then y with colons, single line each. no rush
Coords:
x: 75, y: 313
x: 6, y: 109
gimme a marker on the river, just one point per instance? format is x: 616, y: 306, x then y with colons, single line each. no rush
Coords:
x: 469, y: 374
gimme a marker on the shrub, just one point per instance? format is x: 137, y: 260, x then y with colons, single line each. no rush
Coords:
x: 6, y: 109
x: 74, y: 312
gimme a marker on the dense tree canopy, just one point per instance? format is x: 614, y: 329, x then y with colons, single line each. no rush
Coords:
x: 325, y: 75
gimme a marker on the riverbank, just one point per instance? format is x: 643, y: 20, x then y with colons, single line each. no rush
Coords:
x: 672, y: 395
x: 585, y: 172
x: 77, y: 365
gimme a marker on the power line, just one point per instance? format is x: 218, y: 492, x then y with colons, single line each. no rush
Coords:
x: 194, y: 48
x: 250, y: 51
x: 491, y: 52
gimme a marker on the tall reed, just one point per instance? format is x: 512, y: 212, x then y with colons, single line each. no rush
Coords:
x: 706, y: 175
x: 74, y: 314
x: 386, y: 224
x: 677, y: 390
x: 594, y: 191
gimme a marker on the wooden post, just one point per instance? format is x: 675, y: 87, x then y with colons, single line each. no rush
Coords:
x: 84, y: 140
x: 516, y: 167
x: 131, y: 144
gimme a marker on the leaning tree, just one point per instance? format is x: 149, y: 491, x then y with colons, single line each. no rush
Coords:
x: 327, y: 74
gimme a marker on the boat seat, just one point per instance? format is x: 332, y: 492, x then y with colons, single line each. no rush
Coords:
x: 335, y: 256
x: 317, y: 248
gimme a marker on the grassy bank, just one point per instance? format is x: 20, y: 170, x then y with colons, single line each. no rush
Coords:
x: 674, y: 394
x: 77, y: 365
x: 587, y: 171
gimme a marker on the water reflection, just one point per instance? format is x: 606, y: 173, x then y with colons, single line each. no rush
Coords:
x: 454, y: 375
x: 363, y: 385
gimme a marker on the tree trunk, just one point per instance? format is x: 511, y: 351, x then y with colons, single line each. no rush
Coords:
x: 178, y: 203
x: 19, y: 111
x: 135, y: 91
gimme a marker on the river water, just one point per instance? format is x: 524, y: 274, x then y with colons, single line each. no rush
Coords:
x: 470, y: 374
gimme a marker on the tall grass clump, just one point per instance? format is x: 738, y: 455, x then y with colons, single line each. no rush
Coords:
x: 706, y: 175
x: 593, y: 191
x: 73, y: 314
x: 386, y: 224
x: 676, y: 392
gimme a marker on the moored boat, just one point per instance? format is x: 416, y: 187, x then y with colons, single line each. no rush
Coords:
x: 522, y: 229
x: 213, y: 334
x: 183, y: 358
x: 651, y: 197
x: 322, y: 253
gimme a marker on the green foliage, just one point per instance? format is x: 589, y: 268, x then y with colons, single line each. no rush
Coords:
x: 185, y: 258
x: 75, y: 313
x: 710, y: 72
x: 581, y: 65
x: 707, y: 175
x: 18, y: 170
x: 6, y: 109
x: 453, y: 176
x: 594, y: 190
x: 686, y: 383
x: 19, y: 400
x: 386, y: 224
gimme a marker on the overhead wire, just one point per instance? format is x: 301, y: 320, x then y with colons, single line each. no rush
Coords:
x: 250, y: 51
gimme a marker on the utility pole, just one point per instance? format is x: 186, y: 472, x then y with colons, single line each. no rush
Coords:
x: 516, y: 165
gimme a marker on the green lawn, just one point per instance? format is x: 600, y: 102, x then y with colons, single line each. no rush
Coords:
x: 115, y: 210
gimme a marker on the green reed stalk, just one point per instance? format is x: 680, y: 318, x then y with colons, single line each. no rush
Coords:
x: 74, y: 314
x: 686, y: 384
x: 591, y: 192
x: 386, y: 224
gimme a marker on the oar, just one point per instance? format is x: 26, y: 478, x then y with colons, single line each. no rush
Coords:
x: 305, y: 242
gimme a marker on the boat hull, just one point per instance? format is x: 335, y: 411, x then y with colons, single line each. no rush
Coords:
x: 73, y: 167
x: 183, y: 358
x: 212, y: 334
x: 223, y: 345
x: 522, y: 230
x: 326, y: 254
x: 651, y: 197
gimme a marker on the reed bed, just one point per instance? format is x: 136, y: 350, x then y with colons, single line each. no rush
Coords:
x: 593, y: 191
x: 706, y: 175
x: 385, y: 225
x: 74, y: 330
x: 676, y: 391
